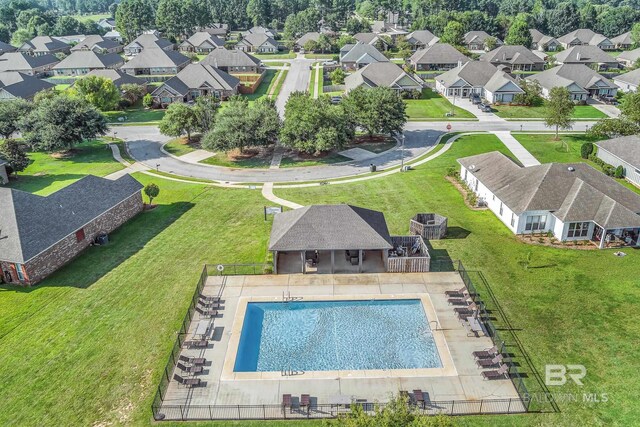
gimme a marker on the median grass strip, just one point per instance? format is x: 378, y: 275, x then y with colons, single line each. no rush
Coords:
x: 275, y: 55
x: 278, y: 83
x: 431, y: 106
x: 250, y: 158
x: 522, y: 112
x: 134, y: 115
x: 180, y: 146
x: 312, y: 82
x: 50, y: 172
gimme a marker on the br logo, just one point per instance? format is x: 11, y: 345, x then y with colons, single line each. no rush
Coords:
x: 557, y: 374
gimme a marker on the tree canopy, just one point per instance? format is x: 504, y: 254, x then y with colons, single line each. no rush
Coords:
x: 377, y: 110
x: 97, y: 91
x: 179, y: 119
x: 559, y: 109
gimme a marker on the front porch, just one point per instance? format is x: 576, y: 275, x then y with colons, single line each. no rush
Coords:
x: 615, y: 238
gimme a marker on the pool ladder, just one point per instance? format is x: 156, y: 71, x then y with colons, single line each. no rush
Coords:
x: 286, y: 297
x: 437, y: 325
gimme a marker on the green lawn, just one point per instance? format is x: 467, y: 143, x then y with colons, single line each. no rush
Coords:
x: 278, y: 84
x: 48, y: 173
x: 179, y: 147
x: 433, y: 106
x: 229, y: 160
x: 569, y: 307
x: 520, y: 112
x: 263, y: 89
x: 274, y: 55
x: 320, y: 85
x: 94, y: 17
x: 288, y: 162
x: 135, y: 115
x: 320, y: 56
x: 312, y: 81
x: 62, y: 87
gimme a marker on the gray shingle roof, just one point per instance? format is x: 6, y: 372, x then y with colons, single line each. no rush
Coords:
x: 149, y: 41
x: 307, y: 37
x: 632, y: 77
x: 156, y: 58
x: 95, y: 41
x: 197, y: 39
x: 477, y: 74
x: 585, y: 55
x: 380, y: 74
x: 89, y: 59
x: 477, y: 37
x: 17, y: 61
x: 366, y: 37
x: 423, y: 37
x: 44, y: 44
x: 629, y: 55
x: 581, y: 194
x: 21, y: 85
x: 6, y: 47
x: 117, y: 77
x: 329, y: 227
x: 627, y: 148
x: 512, y: 54
x: 33, y: 223
x: 361, y: 53
x: 222, y: 57
x: 439, y: 53
x: 583, y: 35
x: 564, y: 75
x: 195, y: 76
x: 258, y: 39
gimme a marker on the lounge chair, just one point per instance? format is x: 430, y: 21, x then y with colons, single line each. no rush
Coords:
x: 460, y: 301
x: 198, y: 361
x: 209, y: 298
x: 208, y: 304
x: 286, y: 401
x: 489, y: 363
x: 187, y: 382
x: 196, y: 344
x: 418, y: 396
x: 207, y: 312
x: 459, y: 293
x: 501, y: 373
x: 305, y: 400
x: 486, y: 354
x: 189, y: 369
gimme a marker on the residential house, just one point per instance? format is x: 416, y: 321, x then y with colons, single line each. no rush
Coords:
x: 107, y: 24
x: 258, y: 43
x: 41, y: 234
x: 196, y: 80
x: 389, y: 27
x: 439, y: 57
x: 118, y: 77
x: 628, y: 82
x: 629, y: 58
x: 17, y: 85
x: 372, y: 39
x: 354, y: 56
x: 6, y: 47
x: 156, y: 62
x: 98, y: 44
x: 585, y: 37
x: 514, y: 58
x: 4, y: 174
x: 113, y: 35
x: 217, y: 29
x: 421, y: 39
x: 382, y: 74
x: 543, y: 42
x: 588, y: 55
x: 479, y: 77
x: 39, y: 66
x: 82, y: 62
x: 233, y: 61
x: 581, y: 81
x: 572, y: 201
x: 201, y: 42
x: 623, y: 41
x: 271, y: 33
x: 71, y: 39
x: 44, y: 45
x: 475, y: 40
x: 623, y: 151
x: 147, y: 41
x: 312, y: 36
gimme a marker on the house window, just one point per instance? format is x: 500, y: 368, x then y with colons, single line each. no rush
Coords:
x: 501, y: 208
x: 536, y: 222
x: 19, y: 271
x: 578, y: 229
x: 80, y: 235
x: 465, y: 174
x: 513, y: 219
x: 494, y: 197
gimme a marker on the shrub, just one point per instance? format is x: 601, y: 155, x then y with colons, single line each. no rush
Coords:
x: 123, y: 104
x: 586, y: 150
x: 472, y: 198
x: 452, y: 171
x: 147, y: 100
x: 619, y: 172
x: 608, y: 170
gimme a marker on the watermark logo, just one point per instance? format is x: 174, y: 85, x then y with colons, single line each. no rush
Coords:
x: 557, y: 374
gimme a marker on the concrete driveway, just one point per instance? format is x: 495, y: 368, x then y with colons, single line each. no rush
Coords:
x: 297, y: 80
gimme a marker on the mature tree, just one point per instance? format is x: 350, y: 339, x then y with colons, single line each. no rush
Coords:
x: 15, y: 154
x: 172, y: 18
x: 519, y: 32
x: 10, y: 114
x: 113, y: 7
x: 133, y: 17
x: 531, y: 96
x: 21, y: 36
x: 490, y: 43
x: 98, y: 91
x: 60, y: 122
x: 67, y: 25
x: 337, y: 76
x: 635, y: 35
x: 613, y: 128
x: 179, y: 119
x: 343, y: 40
x: 355, y: 26
x: 559, y: 109
x: 453, y: 34
x: 310, y: 46
x: 132, y: 92
x: 259, y: 11
x: 630, y: 107
x: 314, y: 125
x: 324, y: 43
x: 377, y: 110
x: 5, y: 33
x: 205, y: 109
x: 264, y: 121
x: 152, y: 191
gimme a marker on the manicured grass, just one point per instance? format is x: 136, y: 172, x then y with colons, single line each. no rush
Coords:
x: 275, y: 64
x: 433, y: 106
x: 263, y: 89
x: 179, y: 147
x: 278, y: 83
x: 320, y: 56
x: 229, y: 160
x: 312, y: 81
x: 520, y: 112
x: 275, y: 55
x: 135, y: 115
x: 288, y: 162
x: 568, y: 307
x: 62, y: 87
x: 48, y: 173
x: 320, y: 85
x: 94, y: 17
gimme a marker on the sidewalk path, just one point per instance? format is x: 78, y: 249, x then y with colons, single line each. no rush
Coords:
x: 129, y: 167
x: 267, y: 193
x: 516, y: 148
x: 196, y: 156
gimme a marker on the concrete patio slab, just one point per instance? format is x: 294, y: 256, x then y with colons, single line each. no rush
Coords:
x: 357, y: 154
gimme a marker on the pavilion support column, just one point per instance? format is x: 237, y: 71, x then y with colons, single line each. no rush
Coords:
x: 602, y: 239
x: 359, y: 260
x: 275, y: 262
x: 385, y: 259
x: 304, y: 267
x: 333, y: 261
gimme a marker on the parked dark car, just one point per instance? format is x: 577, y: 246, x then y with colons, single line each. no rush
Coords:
x: 609, y: 99
x: 475, y: 99
x: 485, y: 108
x: 336, y: 99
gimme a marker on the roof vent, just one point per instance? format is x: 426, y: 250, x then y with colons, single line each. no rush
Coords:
x: 571, y: 169
x: 472, y: 167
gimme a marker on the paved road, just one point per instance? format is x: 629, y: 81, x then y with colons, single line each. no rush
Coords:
x: 145, y: 144
x: 297, y: 80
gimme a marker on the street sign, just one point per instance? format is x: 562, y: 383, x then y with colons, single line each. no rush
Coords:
x: 449, y: 126
x: 271, y: 210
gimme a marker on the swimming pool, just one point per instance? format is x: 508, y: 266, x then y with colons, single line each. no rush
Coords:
x: 336, y: 335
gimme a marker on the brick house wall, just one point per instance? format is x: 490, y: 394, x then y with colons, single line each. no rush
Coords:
x: 50, y: 260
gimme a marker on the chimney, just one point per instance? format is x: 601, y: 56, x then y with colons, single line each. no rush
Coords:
x: 579, y: 56
x: 459, y: 64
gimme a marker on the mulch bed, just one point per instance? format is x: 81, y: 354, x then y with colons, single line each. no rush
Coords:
x: 464, y: 193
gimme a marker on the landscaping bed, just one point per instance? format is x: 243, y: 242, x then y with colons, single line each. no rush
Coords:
x: 249, y: 158
x: 538, y: 112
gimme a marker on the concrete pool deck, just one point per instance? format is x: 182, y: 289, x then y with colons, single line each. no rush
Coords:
x: 459, y: 379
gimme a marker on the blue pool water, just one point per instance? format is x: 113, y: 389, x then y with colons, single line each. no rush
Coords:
x: 336, y: 335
